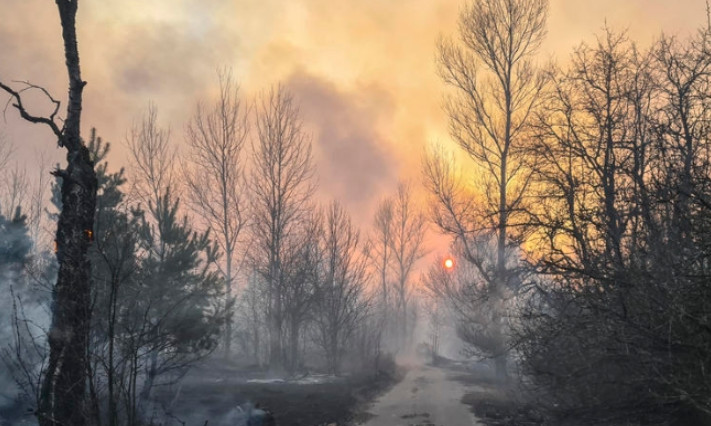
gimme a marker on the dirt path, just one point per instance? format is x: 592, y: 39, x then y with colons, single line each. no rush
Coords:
x: 425, y: 397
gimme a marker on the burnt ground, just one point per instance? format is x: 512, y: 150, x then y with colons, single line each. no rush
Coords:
x: 210, y: 394
x: 496, y: 404
x: 496, y: 407
x: 493, y: 403
x: 337, y: 401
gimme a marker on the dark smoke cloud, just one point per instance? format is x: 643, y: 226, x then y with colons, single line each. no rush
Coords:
x: 351, y: 154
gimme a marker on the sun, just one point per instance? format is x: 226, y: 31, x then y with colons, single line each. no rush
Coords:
x: 449, y: 263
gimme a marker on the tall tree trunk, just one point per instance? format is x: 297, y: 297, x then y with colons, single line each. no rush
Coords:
x: 230, y: 307
x: 62, y: 399
x: 502, y: 275
x: 403, y: 313
x: 294, y: 346
x: 501, y: 278
x: 94, y: 396
x: 334, y: 356
x: 113, y: 414
x: 275, y: 347
x: 146, y: 391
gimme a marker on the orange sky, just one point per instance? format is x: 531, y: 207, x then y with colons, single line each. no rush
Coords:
x: 363, y: 70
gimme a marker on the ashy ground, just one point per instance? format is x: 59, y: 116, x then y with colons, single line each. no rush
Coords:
x: 219, y: 396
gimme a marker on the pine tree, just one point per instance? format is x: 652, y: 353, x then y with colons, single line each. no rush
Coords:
x: 155, y: 298
x: 15, y: 243
x: 176, y: 312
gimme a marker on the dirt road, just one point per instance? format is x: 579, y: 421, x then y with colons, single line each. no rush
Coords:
x: 425, y: 397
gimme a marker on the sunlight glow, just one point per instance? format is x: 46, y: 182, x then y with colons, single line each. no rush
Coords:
x: 449, y: 263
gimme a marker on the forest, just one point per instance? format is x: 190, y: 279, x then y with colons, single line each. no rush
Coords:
x: 208, y: 281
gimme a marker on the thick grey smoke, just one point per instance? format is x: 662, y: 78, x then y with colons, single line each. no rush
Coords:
x: 351, y: 154
x: 24, y: 318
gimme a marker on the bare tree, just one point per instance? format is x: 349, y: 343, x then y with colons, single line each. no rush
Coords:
x: 6, y: 151
x: 496, y: 88
x: 406, y: 245
x: 281, y: 182
x: 434, y: 307
x: 215, y: 179
x: 621, y: 163
x: 63, y: 391
x: 394, y: 247
x: 380, y: 245
x: 378, y: 250
x: 685, y: 69
x: 153, y: 158
x: 591, y: 156
x: 301, y: 272
x: 37, y: 206
x: 341, y: 302
x: 252, y: 313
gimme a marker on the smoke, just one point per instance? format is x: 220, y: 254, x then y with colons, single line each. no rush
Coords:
x: 24, y: 319
x: 351, y: 153
x: 23, y: 325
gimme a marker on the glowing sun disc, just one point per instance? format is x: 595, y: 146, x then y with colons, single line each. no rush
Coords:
x: 449, y: 263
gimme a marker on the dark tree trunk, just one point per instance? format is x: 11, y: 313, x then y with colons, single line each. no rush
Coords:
x: 229, y: 305
x: 62, y: 400
x: 294, y: 360
x: 276, y: 355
